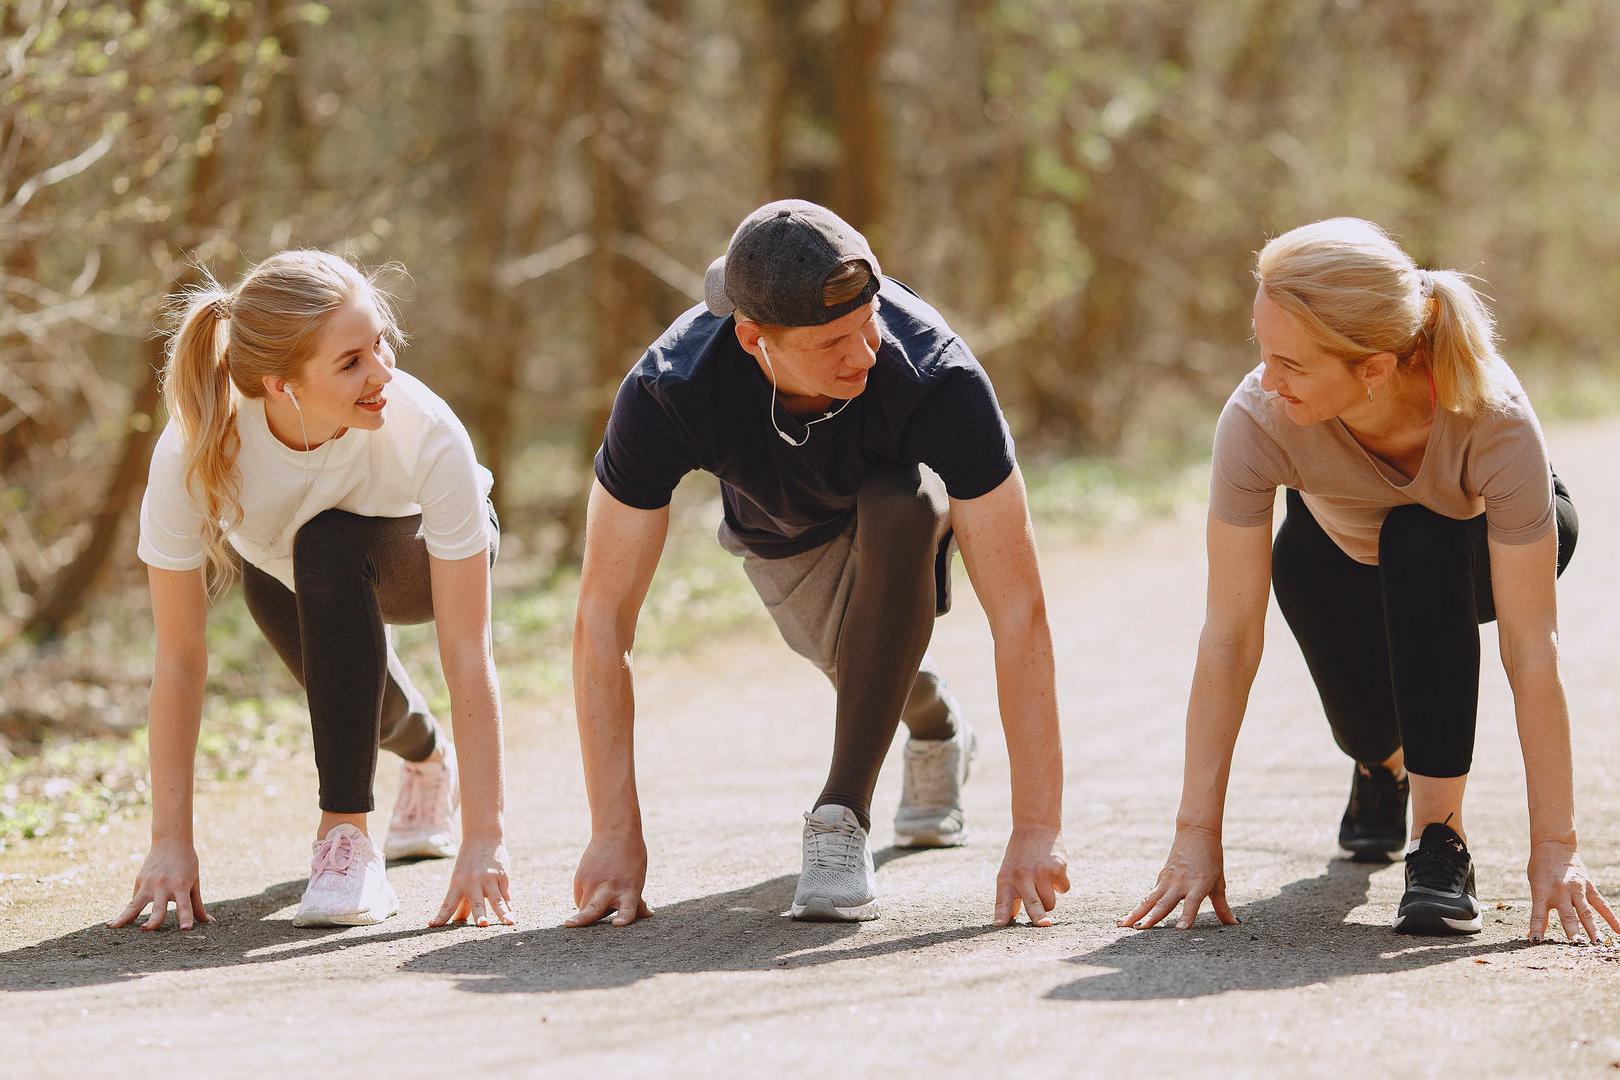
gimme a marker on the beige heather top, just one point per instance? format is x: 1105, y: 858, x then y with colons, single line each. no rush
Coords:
x: 1495, y: 464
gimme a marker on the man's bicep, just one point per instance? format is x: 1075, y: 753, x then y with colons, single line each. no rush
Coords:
x: 622, y: 547
x: 997, y: 541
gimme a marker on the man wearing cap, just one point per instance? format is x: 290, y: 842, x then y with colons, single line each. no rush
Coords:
x: 815, y: 388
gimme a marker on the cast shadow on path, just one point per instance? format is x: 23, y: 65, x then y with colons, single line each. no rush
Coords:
x: 242, y: 933
x: 741, y: 930
x: 1298, y: 938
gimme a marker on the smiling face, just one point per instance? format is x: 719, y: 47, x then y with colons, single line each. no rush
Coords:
x: 342, y: 384
x: 818, y: 361
x: 1314, y: 385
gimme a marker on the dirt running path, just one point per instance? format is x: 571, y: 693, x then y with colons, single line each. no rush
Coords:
x: 733, y: 740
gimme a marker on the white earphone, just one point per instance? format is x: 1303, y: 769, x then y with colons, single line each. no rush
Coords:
x: 785, y: 437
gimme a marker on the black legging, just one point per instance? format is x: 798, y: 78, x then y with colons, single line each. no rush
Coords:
x: 1394, y: 648
x: 354, y: 575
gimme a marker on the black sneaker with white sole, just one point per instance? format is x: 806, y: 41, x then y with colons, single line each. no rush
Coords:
x: 1374, y: 823
x: 1439, y: 897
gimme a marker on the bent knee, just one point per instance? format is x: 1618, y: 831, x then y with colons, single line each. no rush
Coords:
x: 330, y: 542
x: 902, y: 507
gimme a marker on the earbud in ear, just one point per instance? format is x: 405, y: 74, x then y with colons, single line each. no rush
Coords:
x: 291, y: 394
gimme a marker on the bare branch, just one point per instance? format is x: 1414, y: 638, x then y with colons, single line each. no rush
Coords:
x: 545, y: 261
x: 56, y: 174
x: 660, y: 264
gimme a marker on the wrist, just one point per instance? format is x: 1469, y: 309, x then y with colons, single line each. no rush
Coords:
x: 619, y: 832
x: 490, y: 825
x: 1188, y: 823
x: 172, y: 832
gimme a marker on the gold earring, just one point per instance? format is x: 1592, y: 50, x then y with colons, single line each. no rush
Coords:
x: 1369, y: 391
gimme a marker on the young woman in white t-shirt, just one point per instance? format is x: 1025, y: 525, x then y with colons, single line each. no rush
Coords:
x: 1420, y: 504
x: 348, y: 496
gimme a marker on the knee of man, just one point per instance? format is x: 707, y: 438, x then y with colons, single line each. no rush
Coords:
x: 903, y: 510
x: 1416, y: 535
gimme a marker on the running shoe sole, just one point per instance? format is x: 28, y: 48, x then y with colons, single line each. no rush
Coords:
x: 419, y: 849
x: 1372, y: 850
x: 1432, y: 919
x: 820, y: 909
x: 368, y: 917
x: 927, y: 838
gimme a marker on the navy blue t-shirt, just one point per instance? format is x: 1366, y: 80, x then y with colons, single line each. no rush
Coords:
x: 697, y: 400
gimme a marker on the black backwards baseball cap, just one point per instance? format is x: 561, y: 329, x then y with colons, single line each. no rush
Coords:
x: 778, y: 260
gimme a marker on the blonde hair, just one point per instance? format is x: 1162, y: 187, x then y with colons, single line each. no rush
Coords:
x: 1357, y: 293
x: 229, y: 340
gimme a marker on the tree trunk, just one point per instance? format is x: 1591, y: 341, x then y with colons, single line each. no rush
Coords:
x: 863, y: 169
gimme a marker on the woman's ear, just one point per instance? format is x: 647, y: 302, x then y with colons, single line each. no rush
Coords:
x: 1378, y: 369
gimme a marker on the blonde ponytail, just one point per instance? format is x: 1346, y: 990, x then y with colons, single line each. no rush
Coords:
x: 197, y: 391
x: 1460, y: 338
x: 1356, y: 294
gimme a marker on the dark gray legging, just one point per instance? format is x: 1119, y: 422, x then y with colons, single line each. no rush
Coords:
x: 354, y: 575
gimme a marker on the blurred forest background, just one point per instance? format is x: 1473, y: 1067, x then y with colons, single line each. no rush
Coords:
x: 1079, y: 185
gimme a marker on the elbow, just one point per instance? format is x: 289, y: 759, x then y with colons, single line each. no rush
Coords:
x: 1236, y: 648
x: 181, y: 667
x: 1022, y: 621
x: 1529, y: 658
x: 465, y: 662
x: 599, y: 628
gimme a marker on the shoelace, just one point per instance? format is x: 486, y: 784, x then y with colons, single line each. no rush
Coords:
x: 833, y: 845
x: 334, y: 855
x: 1442, y: 865
x: 420, y: 795
x: 929, y: 784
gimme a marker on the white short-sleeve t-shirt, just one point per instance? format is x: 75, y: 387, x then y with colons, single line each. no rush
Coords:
x: 419, y: 462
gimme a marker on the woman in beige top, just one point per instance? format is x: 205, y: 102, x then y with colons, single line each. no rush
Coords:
x: 1420, y: 504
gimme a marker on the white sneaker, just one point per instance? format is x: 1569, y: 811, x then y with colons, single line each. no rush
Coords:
x: 347, y: 883
x: 838, y: 883
x: 930, y: 811
x: 426, y: 823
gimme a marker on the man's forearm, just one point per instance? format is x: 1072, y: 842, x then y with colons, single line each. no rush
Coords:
x: 604, y: 703
x: 1027, y: 692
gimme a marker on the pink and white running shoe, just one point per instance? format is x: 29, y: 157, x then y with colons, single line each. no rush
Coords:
x: 426, y: 823
x: 348, y: 885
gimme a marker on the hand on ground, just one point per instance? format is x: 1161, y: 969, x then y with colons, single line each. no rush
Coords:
x: 480, y: 884
x: 1192, y: 873
x: 1034, y: 870
x: 1558, y: 882
x: 611, y: 876
x: 170, y: 872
